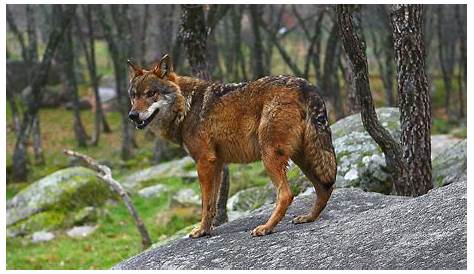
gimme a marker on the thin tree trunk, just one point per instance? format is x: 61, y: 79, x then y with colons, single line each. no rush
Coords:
x: 446, y: 71
x: 255, y: 16
x: 353, y: 105
x: 354, y: 45
x: 32, y: 60
x: 67, y: 58
x: 37, y: 146
x: 118, y: 54
x: 19, y: 170
x: 236, y: 27
x: 330, y: 66
x: 462, y: 76
x: 89, y: 52
x: 413, y: 89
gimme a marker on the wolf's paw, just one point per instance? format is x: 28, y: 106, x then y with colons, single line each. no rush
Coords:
x: 261, y: 230
x: 303, y: 219
x: 199, y: 232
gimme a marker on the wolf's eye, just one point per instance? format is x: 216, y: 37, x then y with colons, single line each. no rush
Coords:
x: 150, y: 93
x: 321, y: 119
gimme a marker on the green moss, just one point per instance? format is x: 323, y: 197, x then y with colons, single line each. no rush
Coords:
x: 48, y: 220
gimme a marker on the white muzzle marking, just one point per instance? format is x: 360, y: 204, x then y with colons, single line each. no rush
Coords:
x: 151, y: 109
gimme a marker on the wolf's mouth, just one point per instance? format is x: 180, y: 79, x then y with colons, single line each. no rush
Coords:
x: 144, y: 123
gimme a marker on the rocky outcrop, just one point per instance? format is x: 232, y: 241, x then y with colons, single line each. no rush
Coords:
x: 55, y: 201
x: 358, y: 230
x: 450, y: 164
x: 184, y: 168
x: 361, y: 162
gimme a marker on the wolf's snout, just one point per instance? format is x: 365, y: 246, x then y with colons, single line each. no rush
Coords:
x: 134, y: 116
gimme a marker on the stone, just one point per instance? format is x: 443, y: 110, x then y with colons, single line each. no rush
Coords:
x: 450, y: 164
x: 152, y: 191
x: 361, y: 163
x: 357, y: 230
x: 184, y: 168
x: 186, y: 197
x: 251, y: 198
x: 81, y: 231
x: 42, y: 236
x: 440, y: 142
x: 52, y: 201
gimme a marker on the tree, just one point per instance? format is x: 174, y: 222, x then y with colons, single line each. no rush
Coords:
x: 89, y: 52
x: 62, y: 21
x: 446, y: 53
x: 414, y: 96
x: 410, y: 160
x: 354, y: 45
x: 120, y: 49
x: 193, y: 34
x: 257, y: 56
x: 67, y: 59
x: 462, y: 76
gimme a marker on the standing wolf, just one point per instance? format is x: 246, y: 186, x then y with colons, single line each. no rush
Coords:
x: 272, y: 119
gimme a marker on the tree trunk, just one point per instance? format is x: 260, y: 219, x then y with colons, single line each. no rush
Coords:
x: 119, y: 52
x: 331, y: 61
x: 255, y: 16
x: 443, y: 56
x: 193, y: 33
x: 67, y: 58
x: 37, y: 146
x: 462, y: 76
x: 33, y: 59
x: 353, y: 105
x: 19, y: 169
x: 236, y: 17
x: 89, y: 52
x: 413, y: 89
x: 354, y: 45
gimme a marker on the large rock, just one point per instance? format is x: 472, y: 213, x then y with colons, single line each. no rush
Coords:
x: 184, y: 167
x: 358, y: 230
x: 450, y: 164
x: 361, y: 162
x: 53, y: 200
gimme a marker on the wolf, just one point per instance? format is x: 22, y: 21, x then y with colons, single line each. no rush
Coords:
x: 272, y: 119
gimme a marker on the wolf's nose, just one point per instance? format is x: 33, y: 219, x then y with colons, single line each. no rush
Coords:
x: 133, y: 115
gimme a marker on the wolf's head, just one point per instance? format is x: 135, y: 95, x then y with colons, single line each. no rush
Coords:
x: 154, y: 94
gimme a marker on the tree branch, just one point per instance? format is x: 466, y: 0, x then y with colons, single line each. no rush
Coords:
x: 104, y: 173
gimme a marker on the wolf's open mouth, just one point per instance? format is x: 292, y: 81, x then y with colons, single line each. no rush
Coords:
x: 143, y: 124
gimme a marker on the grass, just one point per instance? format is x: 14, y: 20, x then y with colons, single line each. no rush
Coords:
x: 115, y: 239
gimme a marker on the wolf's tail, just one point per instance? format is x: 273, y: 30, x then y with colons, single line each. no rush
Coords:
x: 317, y: 144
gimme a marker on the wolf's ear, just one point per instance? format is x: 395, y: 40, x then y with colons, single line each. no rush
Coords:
x: 137, y: 71
x: 164, y: 68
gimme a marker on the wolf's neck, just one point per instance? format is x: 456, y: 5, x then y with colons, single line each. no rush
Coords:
x: 189, y: 86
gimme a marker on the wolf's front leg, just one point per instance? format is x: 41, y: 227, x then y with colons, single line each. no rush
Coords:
x: 208, y: 169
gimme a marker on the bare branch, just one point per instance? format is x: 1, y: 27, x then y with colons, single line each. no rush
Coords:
x: 105, y: 174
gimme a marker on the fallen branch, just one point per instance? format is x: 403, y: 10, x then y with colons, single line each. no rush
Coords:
x: 104, y: 173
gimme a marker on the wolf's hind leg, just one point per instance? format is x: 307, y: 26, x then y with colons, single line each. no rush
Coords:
x: 275, y: 165
x: 323, y: 188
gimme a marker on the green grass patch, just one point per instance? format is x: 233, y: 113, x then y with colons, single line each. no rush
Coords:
x: 115, y: 239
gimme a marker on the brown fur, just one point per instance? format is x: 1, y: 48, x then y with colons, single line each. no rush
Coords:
x: 273, y: 119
